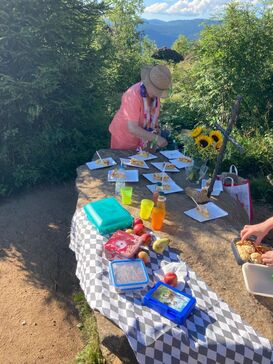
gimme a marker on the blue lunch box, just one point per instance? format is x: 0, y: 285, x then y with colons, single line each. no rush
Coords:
x: 170, y: 302
x: 128, y: 274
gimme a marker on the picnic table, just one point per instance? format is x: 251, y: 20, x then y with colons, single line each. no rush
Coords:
x: 215, y: 333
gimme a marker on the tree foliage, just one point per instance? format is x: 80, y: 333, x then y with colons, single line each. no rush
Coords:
x: 63, y: 65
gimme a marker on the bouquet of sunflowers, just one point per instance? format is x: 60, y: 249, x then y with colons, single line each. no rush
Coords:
x: 203, y: 143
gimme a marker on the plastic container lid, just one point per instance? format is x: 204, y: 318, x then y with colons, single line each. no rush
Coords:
x: 107, y: 215
x: 258, y: 279
x: 128, y: 274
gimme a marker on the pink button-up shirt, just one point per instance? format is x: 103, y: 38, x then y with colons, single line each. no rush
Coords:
x: 131, y: 109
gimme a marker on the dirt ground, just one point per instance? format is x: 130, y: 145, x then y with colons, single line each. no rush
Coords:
x: 37, y: 278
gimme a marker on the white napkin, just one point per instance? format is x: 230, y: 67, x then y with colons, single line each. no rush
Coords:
x: 179, y: 268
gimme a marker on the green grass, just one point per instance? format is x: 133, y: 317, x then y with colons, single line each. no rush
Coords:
x: 91, y: 353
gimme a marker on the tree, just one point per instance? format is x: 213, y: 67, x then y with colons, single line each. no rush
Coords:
x: 48, y: 104
x: 236, y: 57
x: 182, y: 45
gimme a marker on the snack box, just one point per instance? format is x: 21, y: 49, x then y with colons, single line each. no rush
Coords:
x: 107, y: 215
x: 170, y: 302
x: 236, y: 254
x: 122, y: 245
x: 128, y: 274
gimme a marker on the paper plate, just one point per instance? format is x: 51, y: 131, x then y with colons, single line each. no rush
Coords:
x: 138, y: 163
x: 171, y: 154
x: 130, y: 176
x: 215, y: 212
x: 173, y: 187
x: 95, y: 164
x: 188, y: 162
x: 143, y: 157
x: 157, y: 177
x: 160, y: 166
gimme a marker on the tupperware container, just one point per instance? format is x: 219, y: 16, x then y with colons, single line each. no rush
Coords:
x: 107, y: 215
x: 122, y: 245
x: 258, y: 279
x: 128, y: 274
x: 170, y: 302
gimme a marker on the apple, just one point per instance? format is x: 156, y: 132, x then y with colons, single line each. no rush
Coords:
x: 171, y: 279
x: 129, y: 231
x: 137, y: 220
x: 139, y: 229
x: 144, y: 256
x: 146, y: 239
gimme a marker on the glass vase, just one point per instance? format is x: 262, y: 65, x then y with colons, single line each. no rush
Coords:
x: 195, y: 173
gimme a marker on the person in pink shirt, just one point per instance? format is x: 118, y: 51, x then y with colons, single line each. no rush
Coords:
x: 135, y: 125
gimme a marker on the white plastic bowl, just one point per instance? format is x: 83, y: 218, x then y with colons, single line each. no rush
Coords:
x: 258, y: 279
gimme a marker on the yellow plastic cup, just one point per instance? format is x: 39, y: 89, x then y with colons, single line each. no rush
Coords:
x: 146, y: 207
x: 126, y: 195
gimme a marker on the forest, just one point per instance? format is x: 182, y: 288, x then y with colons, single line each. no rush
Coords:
x: 65, y: 63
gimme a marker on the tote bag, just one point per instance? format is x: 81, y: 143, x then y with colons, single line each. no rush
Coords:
x: 238, y: 188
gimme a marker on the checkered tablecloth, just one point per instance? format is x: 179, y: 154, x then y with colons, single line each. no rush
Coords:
x: 212, y: 334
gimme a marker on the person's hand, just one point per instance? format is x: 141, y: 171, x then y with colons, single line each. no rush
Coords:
x: 161, y: 142
x: 258, y: 230
x: 267, y: 258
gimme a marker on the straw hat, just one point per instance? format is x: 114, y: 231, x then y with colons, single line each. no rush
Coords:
x: 157, y: 80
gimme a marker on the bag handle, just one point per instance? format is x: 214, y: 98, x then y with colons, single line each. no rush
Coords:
x: 232, y: 180
x: 233, y: 167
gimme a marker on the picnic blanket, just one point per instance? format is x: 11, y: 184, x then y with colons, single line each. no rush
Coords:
x: 212, y: 334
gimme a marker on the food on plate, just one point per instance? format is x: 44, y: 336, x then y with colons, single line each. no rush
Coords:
x: 136, y: 162
x: 102, y: 162
x: 158, y: 177
x: 170, y: 166
x: 117, y: 174
x: 166, y: 187
x: 143, y: 154
x: 249, y: 252
x: 185, y: 159
x: 171, y: 279
x: 203, y: 211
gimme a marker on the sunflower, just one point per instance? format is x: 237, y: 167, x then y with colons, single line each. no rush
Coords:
x: 216, y: 136
x: 203, y: 141
x: 218, y: 144
x: 197, y: 131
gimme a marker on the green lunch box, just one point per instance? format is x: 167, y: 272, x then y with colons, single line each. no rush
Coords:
x: 107, y: 215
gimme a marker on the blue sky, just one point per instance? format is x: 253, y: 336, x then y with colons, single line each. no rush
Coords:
x: 185, y: 9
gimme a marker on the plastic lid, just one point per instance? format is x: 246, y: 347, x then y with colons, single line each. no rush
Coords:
x: 128, y: 272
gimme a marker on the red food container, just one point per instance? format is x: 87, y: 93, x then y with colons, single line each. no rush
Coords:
x: 122, y: 245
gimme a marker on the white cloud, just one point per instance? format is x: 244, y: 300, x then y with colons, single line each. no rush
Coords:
x: 195, y: 7
x: 191, y: 7
x: 156, y: 8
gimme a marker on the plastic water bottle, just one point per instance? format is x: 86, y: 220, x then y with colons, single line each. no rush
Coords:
x: 120, y: 182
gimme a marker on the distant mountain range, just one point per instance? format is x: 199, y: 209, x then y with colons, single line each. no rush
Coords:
x: 164, y: 33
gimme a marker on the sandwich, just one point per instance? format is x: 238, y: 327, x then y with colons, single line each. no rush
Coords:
x: 136, y: 162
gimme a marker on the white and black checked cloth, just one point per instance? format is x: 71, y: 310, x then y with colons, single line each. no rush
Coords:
x: 212, y: 334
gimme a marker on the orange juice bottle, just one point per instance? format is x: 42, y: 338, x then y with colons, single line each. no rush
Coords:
x: 159, y: 212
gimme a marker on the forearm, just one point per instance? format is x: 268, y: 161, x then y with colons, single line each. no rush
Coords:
x: 268, y: 224
x: 140, y: 132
